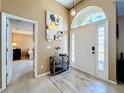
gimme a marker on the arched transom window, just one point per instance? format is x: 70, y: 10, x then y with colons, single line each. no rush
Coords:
x: 88, y: 15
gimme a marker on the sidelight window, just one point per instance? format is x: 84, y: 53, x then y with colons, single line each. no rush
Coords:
x: 101, y: 61
x: 73, y: 47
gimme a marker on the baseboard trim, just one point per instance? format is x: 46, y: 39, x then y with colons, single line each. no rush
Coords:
x: 83, y: 71
x: 44, y: 74
x: 112, y: 82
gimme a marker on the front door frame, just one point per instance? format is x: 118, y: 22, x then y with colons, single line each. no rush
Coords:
x: 107, y: 45
x: 3, y: 34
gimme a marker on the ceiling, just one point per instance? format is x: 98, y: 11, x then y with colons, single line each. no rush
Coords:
x: 21, y: 27
x: 120, y: 7
x: 68, y: 3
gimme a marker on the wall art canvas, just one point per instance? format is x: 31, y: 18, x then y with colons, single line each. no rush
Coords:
x: 54, y: 26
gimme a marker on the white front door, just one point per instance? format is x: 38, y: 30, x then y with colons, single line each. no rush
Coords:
x: 85, y: 46
x: 9, y: 51
x: 90, y: 49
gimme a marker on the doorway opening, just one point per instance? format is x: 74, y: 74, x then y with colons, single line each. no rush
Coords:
x: 23, y: 49
x: 19, y: 48
x: 89, y: 45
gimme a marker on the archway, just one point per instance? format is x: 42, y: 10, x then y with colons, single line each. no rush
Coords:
x: 89, y: 45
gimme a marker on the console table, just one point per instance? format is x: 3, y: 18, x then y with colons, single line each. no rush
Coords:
x: 59, y: 64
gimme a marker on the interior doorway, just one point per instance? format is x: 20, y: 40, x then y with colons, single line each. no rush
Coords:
x: 16, y: 52
x: 89, y: 45
x: 21, y: 39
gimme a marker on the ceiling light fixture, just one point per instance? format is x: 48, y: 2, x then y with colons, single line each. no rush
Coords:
x: 73, y: 10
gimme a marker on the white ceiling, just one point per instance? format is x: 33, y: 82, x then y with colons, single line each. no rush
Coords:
x: 68, y: 3
x: 22, y: 27
x: 120, y: 7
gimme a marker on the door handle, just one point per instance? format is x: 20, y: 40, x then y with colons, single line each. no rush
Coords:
x: 93, y: 49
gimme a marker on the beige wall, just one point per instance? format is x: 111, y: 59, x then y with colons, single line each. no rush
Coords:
x: 0, y: 51
x: 0, y: 5
x: 24, y: 42
x: 0, y: 56
x: 35, y: 10
x: 121, y: 35
x: 110, y: 10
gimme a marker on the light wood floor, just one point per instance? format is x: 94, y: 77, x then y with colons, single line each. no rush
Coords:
x: 71, y: 81
x: 74, y: 81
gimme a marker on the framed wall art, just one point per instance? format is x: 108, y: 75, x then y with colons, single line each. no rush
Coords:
x: 54, y: 26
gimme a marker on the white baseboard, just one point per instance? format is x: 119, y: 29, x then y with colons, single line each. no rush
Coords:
x: 112, y: 82
x: 82, y: 71
x: 44, y: 74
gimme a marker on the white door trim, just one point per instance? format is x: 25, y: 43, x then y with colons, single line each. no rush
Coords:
x: 3, y: 30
